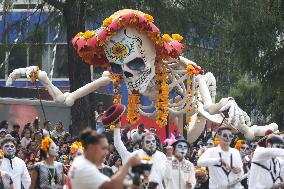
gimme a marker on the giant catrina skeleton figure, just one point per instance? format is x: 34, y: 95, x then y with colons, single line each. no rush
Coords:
x: 132, y: 47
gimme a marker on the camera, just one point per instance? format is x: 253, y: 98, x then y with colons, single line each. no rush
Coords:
x: 144, y: 168
x: 141, y: 170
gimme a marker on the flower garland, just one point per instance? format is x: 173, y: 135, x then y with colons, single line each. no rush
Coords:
x: 116, y: 80
x: 34, y: 75
x: 162, y: 102
x: 75, y: 146
x: 45, y: 144
x: 192, y: 70
x: 133, y: 114
x: 89, y: 44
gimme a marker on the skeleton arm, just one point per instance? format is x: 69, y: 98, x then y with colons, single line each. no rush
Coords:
x: 66, y: 98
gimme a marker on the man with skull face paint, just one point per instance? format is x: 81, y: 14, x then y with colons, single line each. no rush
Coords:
x: 148, y: 149
x: 6, y: 180
x: 266, y: 166
x: 13, y: 165
x: 180, y: 173
x: 48, y: 174
x: 224, y: 163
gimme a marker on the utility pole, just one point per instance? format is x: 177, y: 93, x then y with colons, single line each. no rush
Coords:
x: 5, y: 37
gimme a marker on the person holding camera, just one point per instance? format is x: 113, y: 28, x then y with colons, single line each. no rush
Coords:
x: 84, y: 173
x: 148, y: 144
x: 180, y: 173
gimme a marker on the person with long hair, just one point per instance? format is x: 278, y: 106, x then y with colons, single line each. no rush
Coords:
x: 47, y: 173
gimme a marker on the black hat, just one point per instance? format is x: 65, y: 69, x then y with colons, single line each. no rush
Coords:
x: 180, y: 139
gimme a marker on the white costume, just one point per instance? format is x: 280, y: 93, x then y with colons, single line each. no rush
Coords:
x: 158, y: 158
x: 265, y: 168
x: 18, y: 171
x: 178, y: 173
x: 84, y: 174
x: 219, y: 177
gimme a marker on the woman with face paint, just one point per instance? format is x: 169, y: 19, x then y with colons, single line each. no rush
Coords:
x: 224, y: 163
x: 48, y: 174
x: 13, y: 165
x: 180, y: 173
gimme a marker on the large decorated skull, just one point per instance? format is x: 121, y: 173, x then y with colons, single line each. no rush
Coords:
x: 132, y: 55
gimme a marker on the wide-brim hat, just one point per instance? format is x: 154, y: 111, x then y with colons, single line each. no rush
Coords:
x: 113, y: 113
x: 89, y: 44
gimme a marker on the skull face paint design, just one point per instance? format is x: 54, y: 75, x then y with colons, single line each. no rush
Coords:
x: 9, y: 149
x: 244, y: 149
x: 79, y: 152
x: 181, y: 149
x: 150, y: 144
x: 225, y: 136
x: 53, y: 149
x: 132, y: 55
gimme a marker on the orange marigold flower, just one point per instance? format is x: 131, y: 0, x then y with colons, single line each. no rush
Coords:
x: 149, y: 17
x: 188, y: 119
x: 80, y: 34
x: 88, y: 34
x: 111, y: 127
x: 45, y: 143
x: 75, y: 146
x: 167, y: 38
x: 107, y: 22
x: 177, y: 37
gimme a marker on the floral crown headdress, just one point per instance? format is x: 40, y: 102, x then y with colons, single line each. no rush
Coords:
x: 45, y: 144
x: 239, y: 144
x: 2, y: 153
x: 75, y: 146
x: 89, y: 44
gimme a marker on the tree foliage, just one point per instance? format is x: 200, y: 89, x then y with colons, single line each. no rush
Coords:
x: 239, y: 41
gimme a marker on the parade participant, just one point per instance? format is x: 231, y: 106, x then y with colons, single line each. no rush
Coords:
x: 77, y: 149
x: 265, y: 166
x: 224, y: 163
x: 13, y: 165
x: 201, y: 175
x: 6, y: 180
x: 148, y: 144
x: 180, y: 173
x: 84, y: 173
x: 47, y: 173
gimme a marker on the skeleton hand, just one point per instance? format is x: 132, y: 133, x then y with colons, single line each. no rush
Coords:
x: 28, y: 72
x: 236, y: 115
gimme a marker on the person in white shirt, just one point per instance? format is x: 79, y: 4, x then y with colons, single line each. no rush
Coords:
x: 224, y: 163
x: 180, y: 173
x: 14, y: 166
x: 265, y: 169
x: 137, y: 135
x: 84, y: 173
x: 148, y: 144
x: 46, y: 129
